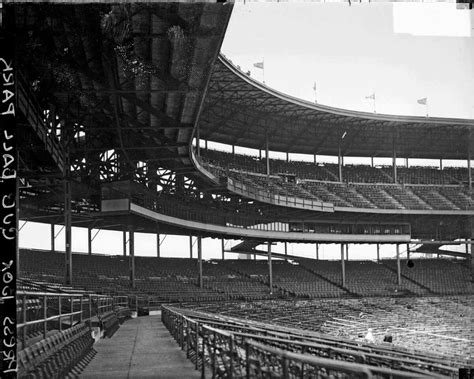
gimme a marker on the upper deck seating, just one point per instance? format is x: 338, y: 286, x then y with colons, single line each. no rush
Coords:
x: 422, y: 188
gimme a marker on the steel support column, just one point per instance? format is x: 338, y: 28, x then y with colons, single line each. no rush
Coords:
x: 222, y: 248
x: 67, y: 206
x: 286, y: 248
x: 469, y: 171
x: 347, y: 252
x: 267, y: 158
x: 53, y: 238
x: 199, y: 248
x: 399, y: 272
x: 394, y: 163
x: 468, y: 250
x: 317, y: 251
x: 198, y: 140
x: 270, y: 273
x: 378, y: 253
x: 191, y: 247
x: 158, y: 244
x: 408, y: 251
x: 89, y: 241
x: 339, y: 162
x: 132, y: 257
x: 124, y: 241
x: 343, y: 266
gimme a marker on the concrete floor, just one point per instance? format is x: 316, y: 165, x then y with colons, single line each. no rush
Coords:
x: 141, y: 348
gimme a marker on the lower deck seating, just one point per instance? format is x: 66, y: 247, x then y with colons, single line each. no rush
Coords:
x: 176, y: 280
x: 55, y: 356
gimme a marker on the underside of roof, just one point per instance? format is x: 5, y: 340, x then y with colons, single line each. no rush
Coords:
x: 243, y: 112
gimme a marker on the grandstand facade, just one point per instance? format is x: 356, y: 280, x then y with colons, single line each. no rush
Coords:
x: 116, y: 107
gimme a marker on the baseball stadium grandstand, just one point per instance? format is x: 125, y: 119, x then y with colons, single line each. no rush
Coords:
x: 118, y: 107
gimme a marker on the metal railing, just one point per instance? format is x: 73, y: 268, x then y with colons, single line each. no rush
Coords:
x: 41, y: 312
x: 223, y: 353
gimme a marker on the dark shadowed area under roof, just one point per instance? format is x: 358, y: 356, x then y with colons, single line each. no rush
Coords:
x: 241, y: 111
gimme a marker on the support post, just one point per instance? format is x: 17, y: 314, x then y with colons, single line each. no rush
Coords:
x: 53, y: 239
x: 89, y: 241
x: 199, y: 248
x: 132, y: 257
x: 158, y: 244
x: 468, y: 250
x: 317, y: 251
x: 287, y: 157
x: 314, y: 159
x: 270, y: 273
x: 198, y: 141
x: 408, y: 251
x: 347, y: 252
x: 372, y: 161
x: 394, y: 163
x: 339, y: 162
x: 286, y: 248
x: 399, y: 273
x: 124, y: 239
x: 233, y: 150
x: 222, y: 248
x: 68, y: 227
x: 469, y: 171
x: 191, y: 247
x: 441, y: 164
x: 378, y: 253
x: 267, y: 158
x: 343, y: 266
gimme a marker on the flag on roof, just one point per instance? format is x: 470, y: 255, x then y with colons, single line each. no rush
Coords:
x: 258, y: 65
x: 422, y: 101
x: 371, y: 96
x: 314, y: 86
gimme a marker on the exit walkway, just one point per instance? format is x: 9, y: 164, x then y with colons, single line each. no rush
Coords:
x: 141, y: 348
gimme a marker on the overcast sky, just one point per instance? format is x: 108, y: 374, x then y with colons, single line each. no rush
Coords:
x: 400, y: 51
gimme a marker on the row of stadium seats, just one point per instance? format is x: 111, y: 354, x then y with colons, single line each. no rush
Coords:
x: 436, y: 325
x: 55, y: 356
x: 330, y: 172
x: 277, y: 330
x: 385, y: 196
x: 175, y: 279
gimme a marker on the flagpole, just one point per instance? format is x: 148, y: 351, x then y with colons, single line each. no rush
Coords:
x: 374, y: 103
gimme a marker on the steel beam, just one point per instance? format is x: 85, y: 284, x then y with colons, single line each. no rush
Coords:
x: 132, y: 257
x: 270, y: 273
x: 199, y: 248
x: 399, y: 272
x: 343, y: 266
x: 89, y: 241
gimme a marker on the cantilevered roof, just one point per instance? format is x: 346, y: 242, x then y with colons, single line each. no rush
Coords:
x: 241, y: 111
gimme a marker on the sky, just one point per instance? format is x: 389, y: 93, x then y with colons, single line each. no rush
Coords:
x: 402, y: 52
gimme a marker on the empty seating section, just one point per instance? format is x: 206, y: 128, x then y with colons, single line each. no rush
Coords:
x: 405, y: 197
x: 55, y: 356
x: 330, y: 171
x: 223, y: 277
x: 422, y: 175
x: 429, y: 334
x: 176, y: 279
x: 433, y: 197
x: 419, y: 188
x: 377, y: 196
x: 443, y: 277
